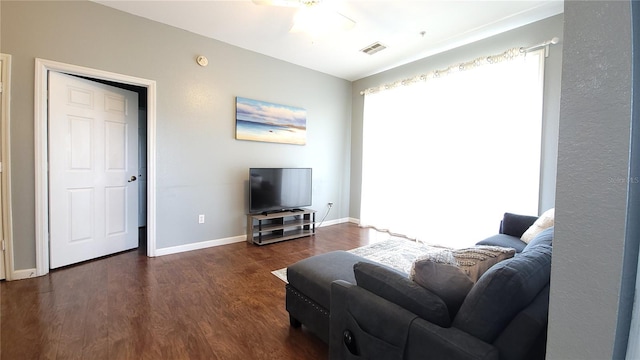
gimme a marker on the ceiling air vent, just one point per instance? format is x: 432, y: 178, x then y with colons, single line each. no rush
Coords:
x: 373, y: 48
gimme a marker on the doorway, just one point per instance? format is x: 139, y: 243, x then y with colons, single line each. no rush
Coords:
x: 43, y: 67
x: 93, y: 169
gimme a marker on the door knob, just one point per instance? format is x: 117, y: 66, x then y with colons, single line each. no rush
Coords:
x: 133, y: 178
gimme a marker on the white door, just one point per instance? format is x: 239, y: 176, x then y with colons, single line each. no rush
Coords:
x: 93, y: 168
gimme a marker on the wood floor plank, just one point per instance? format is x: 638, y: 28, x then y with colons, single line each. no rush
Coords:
x: 216, y: 303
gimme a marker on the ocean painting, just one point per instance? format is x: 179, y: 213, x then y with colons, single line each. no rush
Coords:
x: 262, y: 121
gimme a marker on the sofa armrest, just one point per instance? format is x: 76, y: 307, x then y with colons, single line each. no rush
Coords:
x: 427, y: 340
x: 515, y: 224
x: 504, y: 240
x: 366, y: 326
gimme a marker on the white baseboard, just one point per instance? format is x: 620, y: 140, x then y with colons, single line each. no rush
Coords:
x: 22, y: 274
x: 230, y: 240
x: 200, y: 245
x: 29, y: 273
x: 333, y: 222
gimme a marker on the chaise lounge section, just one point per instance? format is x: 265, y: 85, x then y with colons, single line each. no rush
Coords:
x: 504, y: 316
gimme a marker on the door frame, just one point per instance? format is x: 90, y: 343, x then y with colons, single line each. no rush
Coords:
x: 7, y: 234
x: 42, y: 67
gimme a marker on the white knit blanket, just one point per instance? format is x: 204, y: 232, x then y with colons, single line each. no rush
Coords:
x: 397, y: 253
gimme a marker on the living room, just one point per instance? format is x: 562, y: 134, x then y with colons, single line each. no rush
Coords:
x: 202, y: 169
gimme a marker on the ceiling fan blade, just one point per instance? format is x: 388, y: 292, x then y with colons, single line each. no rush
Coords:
x: 283, y: 3
x: 317, y: 22
x: 314, y: 17
x: 343, y: 22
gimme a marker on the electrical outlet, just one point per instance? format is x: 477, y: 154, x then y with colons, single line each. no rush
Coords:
x: 330, y: 203
x: 201, y: 219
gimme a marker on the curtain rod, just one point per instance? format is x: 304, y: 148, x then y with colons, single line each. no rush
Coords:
x: 510, y: 53
x: 544, y: 45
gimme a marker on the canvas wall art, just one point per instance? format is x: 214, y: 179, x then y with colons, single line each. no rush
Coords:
x: 263, y: 121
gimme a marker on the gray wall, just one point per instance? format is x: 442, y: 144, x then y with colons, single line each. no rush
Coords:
x: 591, y: 280
x: 531, y: 34
x: 201, y: 168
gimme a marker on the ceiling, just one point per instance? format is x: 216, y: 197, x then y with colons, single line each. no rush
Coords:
x: 410, y: 30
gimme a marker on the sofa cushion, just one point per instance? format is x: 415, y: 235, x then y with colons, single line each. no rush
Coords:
x: 504, y: 240
x: 545, y: 238
x: 450, y: 274
x: 395, y: 287
x: 503, y: 291
x: 519, y: 338
x: 546, y: 220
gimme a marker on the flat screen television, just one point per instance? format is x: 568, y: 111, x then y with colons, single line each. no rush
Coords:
x: 278, y: 189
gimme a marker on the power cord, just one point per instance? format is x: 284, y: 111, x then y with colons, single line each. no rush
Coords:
x: 329, y: 206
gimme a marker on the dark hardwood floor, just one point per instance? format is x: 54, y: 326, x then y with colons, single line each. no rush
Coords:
x: 217, y: 303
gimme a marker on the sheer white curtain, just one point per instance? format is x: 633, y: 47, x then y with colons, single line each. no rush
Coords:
x: 443, y: 159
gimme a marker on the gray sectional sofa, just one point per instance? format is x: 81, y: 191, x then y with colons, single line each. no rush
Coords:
x: 366, y: 310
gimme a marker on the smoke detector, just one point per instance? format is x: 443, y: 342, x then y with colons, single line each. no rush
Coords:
x: 202, y: 60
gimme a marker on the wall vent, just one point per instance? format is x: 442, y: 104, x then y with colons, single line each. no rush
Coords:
x: 373, y: 48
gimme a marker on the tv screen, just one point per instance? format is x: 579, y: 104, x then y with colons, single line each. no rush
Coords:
x: 276, y: 189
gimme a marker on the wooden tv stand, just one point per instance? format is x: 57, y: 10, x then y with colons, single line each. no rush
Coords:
x: 280, y: 226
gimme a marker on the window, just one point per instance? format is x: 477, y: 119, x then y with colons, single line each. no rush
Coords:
x: 443, y: 159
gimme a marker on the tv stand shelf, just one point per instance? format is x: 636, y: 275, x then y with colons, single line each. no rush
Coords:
x: 280, y: 226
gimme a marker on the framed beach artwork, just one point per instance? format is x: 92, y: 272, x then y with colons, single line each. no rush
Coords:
x: 263, y: 121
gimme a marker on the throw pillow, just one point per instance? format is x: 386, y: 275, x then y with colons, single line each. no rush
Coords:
x: 451, y: 274
x: 546, y: 220
x: 475, y: 261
